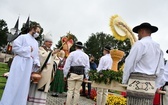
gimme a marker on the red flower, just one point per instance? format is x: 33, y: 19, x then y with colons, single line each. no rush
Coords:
x: 93, y: 93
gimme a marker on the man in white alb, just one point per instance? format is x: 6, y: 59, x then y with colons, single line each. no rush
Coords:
x: 25, y: 48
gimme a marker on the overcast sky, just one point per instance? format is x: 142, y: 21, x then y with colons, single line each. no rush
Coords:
x: 83, y: 17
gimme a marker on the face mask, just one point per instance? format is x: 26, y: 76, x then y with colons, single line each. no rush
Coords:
x: 36, y: 35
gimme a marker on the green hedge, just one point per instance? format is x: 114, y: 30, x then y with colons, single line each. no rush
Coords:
x: 105, y: 76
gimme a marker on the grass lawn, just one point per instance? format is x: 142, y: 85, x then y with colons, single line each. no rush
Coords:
x: 3, y: 68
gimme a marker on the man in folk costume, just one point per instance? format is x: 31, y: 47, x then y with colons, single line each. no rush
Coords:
x: 77, y: 64
x: 38, y: 92
x: 144, y: 65
x: 105, y: 63
x: 25, y: 49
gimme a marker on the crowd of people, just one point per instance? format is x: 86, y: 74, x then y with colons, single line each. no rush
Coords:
x: 60, y: 74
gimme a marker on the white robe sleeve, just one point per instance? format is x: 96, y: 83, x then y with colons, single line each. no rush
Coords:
x: 19, y: 49
x: 162, y: 73
x: 36, y: 57
x: 87, y: 67
x: 101, y: 63
x: 133, y: 57
x: 165, y: 76
x: 67, y: 65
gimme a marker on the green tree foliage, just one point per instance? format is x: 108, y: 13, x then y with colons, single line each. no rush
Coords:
x: 25, y: 30
x: 59, y: 44
x: 3, y: 32
x: 96, y: 43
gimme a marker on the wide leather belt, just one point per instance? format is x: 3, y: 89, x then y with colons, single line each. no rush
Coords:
x: 77, y: 70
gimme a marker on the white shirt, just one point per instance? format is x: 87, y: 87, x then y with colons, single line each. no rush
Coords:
x: 105, y: 62
x: 165, y: 76
x: 77, y: 58
x: 144, y: 58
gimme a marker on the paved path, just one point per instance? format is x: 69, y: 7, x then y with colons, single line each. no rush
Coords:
x: 61, y: 99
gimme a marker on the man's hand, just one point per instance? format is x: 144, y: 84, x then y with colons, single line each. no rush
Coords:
x: 161, y: 91
x: 84, y: 80
x: 65, y: 79
x: 37, y: 66
x: 124, y: 85
x: 56, y: 51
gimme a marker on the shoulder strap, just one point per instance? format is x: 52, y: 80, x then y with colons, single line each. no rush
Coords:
x: 61, y: 61
x: 44, y: 65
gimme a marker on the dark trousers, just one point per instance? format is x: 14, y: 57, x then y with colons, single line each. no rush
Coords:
x: 84, y: 88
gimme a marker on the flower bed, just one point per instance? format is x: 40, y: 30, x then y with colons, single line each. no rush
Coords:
x: 93, y: 93
x: 116, y: 100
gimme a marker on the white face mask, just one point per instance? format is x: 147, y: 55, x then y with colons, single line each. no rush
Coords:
x: 36, y: 35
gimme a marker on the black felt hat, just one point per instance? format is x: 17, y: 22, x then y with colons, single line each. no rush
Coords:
x: 145, y: 25
x: 79, y: 44
x: 167, y: 51
x: 108, y: 48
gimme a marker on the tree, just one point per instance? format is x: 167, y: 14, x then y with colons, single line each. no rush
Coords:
x: 96, y: 43
x: 3, y: 33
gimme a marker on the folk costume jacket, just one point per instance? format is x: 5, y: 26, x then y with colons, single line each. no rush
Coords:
x: 47, y: 73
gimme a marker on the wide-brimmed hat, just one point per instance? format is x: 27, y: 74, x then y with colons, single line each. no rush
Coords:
x: 145, y: 25
x: 108, y: 48
x: 79, y: 44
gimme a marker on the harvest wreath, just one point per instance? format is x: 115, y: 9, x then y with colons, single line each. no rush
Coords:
x: 105, y: 76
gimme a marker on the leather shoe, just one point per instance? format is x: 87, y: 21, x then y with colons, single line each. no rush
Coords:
x: 88, y: 96
x: 82, y: 94
x: 54, y: 95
